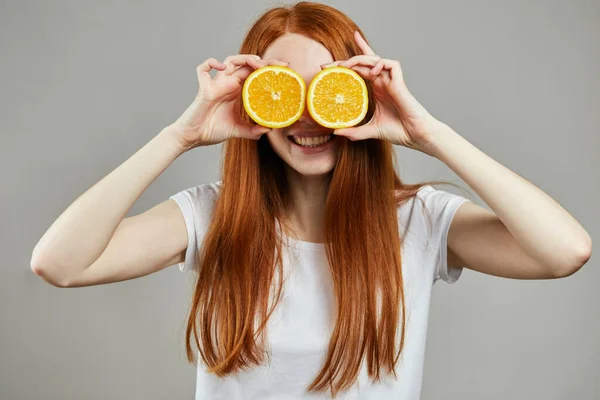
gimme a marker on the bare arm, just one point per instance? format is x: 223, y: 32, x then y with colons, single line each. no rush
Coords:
x: 141, y: 245
x: 527, y: 235
x: 92, y: 243
x: 84, y: 230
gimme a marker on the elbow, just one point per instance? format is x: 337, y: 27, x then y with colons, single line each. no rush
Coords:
x: 47, y: 273
x: 577, y: 260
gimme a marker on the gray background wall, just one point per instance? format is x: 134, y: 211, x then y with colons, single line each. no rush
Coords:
x: 85, y: 84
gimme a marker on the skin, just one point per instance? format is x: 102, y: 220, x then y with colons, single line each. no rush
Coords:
x: 307, y: 173
x: 525, y: 235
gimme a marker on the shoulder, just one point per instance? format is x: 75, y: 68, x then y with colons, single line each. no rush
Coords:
x: 429, y: 211
x: 424, y: 221
x: 196, y: 204
x: 436, y: 201
x: 203, y: 195
x: 430, y: 200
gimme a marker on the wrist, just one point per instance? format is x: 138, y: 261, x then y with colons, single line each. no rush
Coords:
x: 434, y: 140
x: 171, y: 138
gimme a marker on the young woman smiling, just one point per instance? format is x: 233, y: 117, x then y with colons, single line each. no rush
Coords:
x: 314, y: 265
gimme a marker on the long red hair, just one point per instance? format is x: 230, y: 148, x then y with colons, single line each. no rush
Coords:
x: 242, y: 250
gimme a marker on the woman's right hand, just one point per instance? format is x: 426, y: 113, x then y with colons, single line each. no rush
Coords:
x: 213, y: 117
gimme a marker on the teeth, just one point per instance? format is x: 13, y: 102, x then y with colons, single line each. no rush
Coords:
x: 311, y: 141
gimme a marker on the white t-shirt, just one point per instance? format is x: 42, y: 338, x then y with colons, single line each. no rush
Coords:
x: 300, y: 327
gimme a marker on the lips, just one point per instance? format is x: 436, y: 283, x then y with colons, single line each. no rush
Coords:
x: 290, y: 138
x: 311, y: 133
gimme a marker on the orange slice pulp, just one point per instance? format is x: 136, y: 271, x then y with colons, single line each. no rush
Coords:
x: 337, y: 98
x: 274, y: 96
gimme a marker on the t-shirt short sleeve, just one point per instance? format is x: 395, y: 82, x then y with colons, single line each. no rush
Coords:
x: 196, y: 204
x: 442, y: 206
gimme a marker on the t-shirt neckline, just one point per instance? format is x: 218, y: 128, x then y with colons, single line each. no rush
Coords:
x: 304, y: 245
x: 289, y: 241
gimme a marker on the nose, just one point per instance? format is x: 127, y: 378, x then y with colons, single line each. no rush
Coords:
x: 306, y: 118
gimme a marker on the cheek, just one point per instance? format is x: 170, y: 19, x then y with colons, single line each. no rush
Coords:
x: 276, y: 138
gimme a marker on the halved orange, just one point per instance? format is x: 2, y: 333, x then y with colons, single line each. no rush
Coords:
x: 337, y: 98
x: 274, y: 96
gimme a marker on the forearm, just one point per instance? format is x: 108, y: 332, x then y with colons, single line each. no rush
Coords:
x: 543, y: 229
x: 83, y: 231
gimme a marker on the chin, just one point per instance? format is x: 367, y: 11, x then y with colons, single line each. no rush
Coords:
x: 312, y: 170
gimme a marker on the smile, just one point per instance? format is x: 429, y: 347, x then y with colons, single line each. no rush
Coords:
x: 310, y: 141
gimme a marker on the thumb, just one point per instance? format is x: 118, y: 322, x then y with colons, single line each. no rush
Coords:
x: 355, y: 133
x: 253, y: 131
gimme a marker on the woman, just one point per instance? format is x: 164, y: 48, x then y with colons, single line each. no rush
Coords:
x: 314, y: 268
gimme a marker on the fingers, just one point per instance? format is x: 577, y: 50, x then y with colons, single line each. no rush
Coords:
x: 257, y: 64
x: 235, y: 61
x: 231, y: 63
x: 364, y: 47
x: 257, y: 130
x: 385, y: 67
x: 203, y: 70
x: 368, y: 61
x: 331, y: 64
x: 362, y: 44
x: 253, y: 132
x: 365, y: 72
x: 357, y: 133
x: 239, y: 65
x: 362, y: 60
x: 378, y: 67
x: 393, y: 66
x: 370, y: 66
x: 243, y: 71
x: 210, y: 63
x: 254, y: 61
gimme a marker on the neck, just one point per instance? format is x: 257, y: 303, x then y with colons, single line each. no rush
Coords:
x: 308, y: 194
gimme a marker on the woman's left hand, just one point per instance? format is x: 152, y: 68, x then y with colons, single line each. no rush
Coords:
x: 398, y: 116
